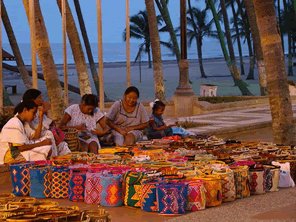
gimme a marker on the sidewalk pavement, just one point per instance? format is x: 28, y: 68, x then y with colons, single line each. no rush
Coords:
x: 230, y: 121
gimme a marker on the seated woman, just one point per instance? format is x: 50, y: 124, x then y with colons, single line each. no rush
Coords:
x: 41, y: 126
x: 127, y: 117
x: 84, y: 117
x: 15, y: 145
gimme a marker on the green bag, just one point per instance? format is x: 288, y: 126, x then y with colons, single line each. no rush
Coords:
x: 132, y: 182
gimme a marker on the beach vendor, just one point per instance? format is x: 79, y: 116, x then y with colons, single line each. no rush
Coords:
x: 84, y: 117
x: 157, y: 128
x: 127, y: 118
x: 15, y: 145
x: 42, y: 126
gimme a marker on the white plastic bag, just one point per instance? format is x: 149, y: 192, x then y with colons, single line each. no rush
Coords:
x: 285, y: 176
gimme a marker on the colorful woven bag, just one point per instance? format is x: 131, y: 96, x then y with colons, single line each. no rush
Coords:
x: 111, y: 190
x: 148, y: 194
x: 60, y: 182
x: 213, y: 187
x: 77, y: 179
x: 196, y: 195
x: 171, y: 198
x: 241, y: 181
x: 272, y: 178
x: 20, y: 178
x: 92, y: 188
x: 257, y: 179
x: 228, y: 186
x: 132, y: 182
x: 41, y: 181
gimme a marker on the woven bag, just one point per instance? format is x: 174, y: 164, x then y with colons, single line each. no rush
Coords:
x: 241, y: 181
x: 111, y: 190
x: 20, y: 178
x: 213, y: 187
x: 60, y: 182
x: 171, y: 198
x: 77, y: 179
x: 41, y: 181
x: 148, y: 194
x: 257, y: 179
x: 228, y: 186
x: 132, y: 181
x: 92, y: 188
x: 196, y: 195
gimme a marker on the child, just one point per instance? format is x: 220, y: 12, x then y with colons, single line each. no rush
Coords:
x: 157, y: 128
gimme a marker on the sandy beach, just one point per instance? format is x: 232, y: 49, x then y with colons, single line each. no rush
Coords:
x: 115, y: 79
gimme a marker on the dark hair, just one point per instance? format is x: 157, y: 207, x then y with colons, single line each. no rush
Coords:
x: 31, y: 94
x: 156, y: 105
x: 25, y: 104
x: 132, y: 89
x: 90, y: 100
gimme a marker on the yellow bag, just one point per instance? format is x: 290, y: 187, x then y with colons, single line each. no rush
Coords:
x: 228, y: 186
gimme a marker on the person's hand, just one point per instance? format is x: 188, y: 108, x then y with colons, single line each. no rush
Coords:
x: 81, y: 127
x: 46, y: 106
x: 123, y: 132
x: 171, y: 125
x: 46, y: 142
x: 41, y: 111
x: 128, y: 129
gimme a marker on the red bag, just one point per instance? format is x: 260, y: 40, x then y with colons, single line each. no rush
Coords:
x: 58, y: 134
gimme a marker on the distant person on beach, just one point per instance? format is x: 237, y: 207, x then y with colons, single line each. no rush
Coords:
x: 157, y: 128
x: 42, y: 126
x: 84, y: 117
x: 127, y: 118
x: 14, y: 143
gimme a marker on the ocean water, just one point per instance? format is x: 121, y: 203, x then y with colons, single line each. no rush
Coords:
x: 116, y: 52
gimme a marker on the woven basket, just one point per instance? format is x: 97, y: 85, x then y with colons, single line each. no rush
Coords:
x: 70, y: 133
x: 73, y: 144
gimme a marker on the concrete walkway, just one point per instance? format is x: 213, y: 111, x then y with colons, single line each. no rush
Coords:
x: 230, y: 121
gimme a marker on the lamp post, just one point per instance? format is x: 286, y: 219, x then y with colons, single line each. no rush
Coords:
x: 184, y: 88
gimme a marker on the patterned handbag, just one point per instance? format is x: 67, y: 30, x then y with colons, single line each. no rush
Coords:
x: 92, y: 188
x: 148, y: 194
x: 272, y: 177
x: 111, y: 190
x: 257, y: 179
x: 41, y: 181
x: 213, y: 187
x: 77, y: 179
x: 20, y: 178
x: 292, y: 167
x: 171, y: 198
x: 132, y: 182
x: 196, y: 195
x: 241, y: 181
x: 228, y: 186
x: 60, y: 182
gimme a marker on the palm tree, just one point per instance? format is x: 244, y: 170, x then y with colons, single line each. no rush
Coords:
x: 238, y: 81
x: 139, y: 29
x: 54, y: 89
x: 91, y: 62
x: 279, y: 95
x: 15, y: 49
x: 257, y: 45
x: 156, y: 53
x: 78, y: 54
x: 200, y: 28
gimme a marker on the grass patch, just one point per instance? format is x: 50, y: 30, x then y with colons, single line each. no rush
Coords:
x: 225, y: 99
x: 189, y: 123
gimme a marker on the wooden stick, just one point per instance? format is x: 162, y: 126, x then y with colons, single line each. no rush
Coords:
x: 1, y: 73
x: 66, y: 95
x: 128, y: 62
x: 100, y: 46
x: 33, y: 44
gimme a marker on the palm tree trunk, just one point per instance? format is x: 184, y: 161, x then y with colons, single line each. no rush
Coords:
x: 280, y: 22
x: 290, y: 69
x: 54, y: 89
x: 257, y: 45
x: 279, y: 95
x: 198, y: 43
x: 228, y: 38
x: 149, y: 56
x: 156, y: 53
x: 81, y: 67
x: 91, y: 62
x: 15, y: 49
x: 162, y: 7
x: 238, y: 40
x: 238, y: 82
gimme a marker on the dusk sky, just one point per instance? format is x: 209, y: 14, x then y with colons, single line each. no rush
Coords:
x: 113, y: 13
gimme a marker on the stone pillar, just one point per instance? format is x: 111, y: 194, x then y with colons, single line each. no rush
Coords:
x: 184, y: 95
